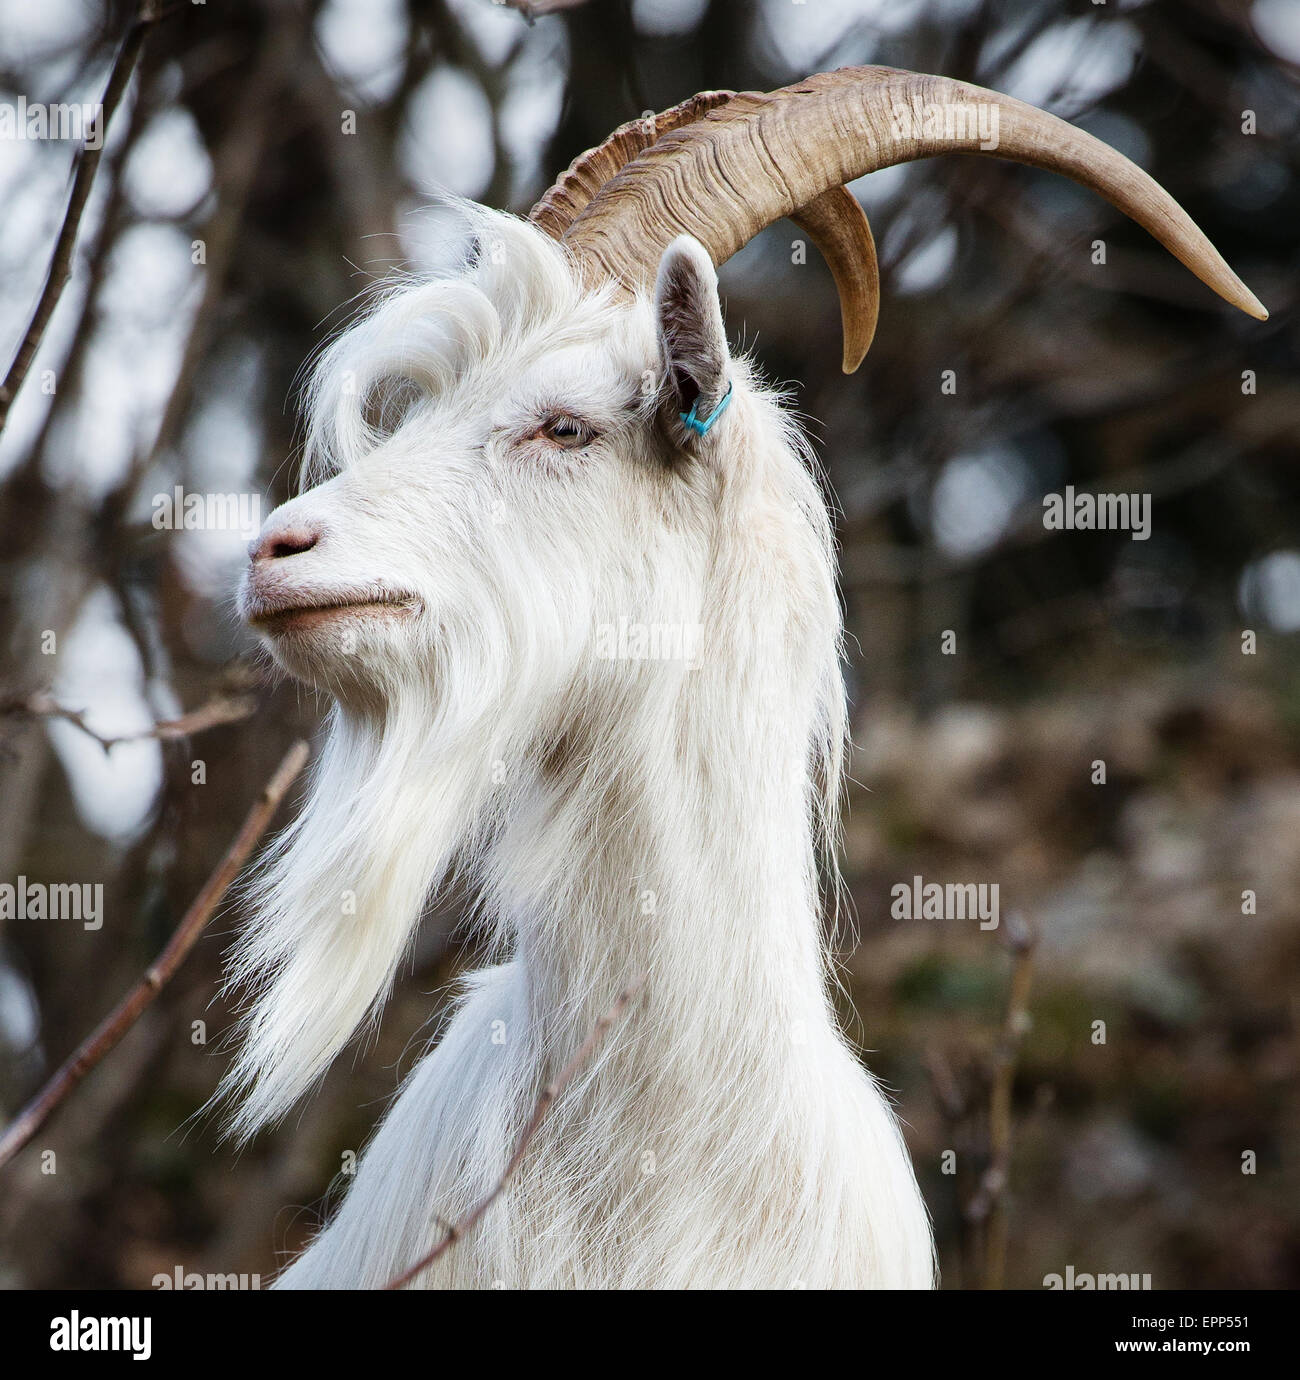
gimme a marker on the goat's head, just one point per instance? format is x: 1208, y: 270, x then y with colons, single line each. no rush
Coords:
x: 505, y: 472
x: 504, y: 442
x: 508, y: 476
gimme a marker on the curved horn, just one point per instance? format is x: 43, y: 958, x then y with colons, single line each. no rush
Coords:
x: 838, y: 226
x: 833, y: 220
x: 758, y: 157
x: 569, y: 195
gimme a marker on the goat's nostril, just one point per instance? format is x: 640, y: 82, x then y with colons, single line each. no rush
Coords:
x: 285, y: 541
x: 292, y: 544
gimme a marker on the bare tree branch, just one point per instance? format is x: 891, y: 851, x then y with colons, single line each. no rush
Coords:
x: 60, y: 269
x: 988, y: 1205
x: 456, y: 1231
x: 535, y: 9
x: 111, y: 1030
x: 222, y: 710
x: 236, y: 170
x: 976, y: 1105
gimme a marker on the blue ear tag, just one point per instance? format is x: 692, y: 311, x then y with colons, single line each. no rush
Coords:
x: 702, y: 427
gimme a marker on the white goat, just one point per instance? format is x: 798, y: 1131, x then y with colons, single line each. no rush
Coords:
x: 517, y: 523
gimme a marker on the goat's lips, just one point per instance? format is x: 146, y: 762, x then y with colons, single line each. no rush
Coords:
x: 273, y: 617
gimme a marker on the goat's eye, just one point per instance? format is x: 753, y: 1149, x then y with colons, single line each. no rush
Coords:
x: 567, y: 431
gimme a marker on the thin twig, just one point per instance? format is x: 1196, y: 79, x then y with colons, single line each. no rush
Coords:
x: 60, y: 269
x: 989, y: 1202
x: 535, y: 9
x: 977, y: 1109
x: 238, y: 162
x: 225, y: 709
x: 96, y: 259
x: 550, y: 1093
x: 111, y: 1030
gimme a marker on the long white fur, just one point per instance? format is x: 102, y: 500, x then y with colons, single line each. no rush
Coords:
x: 612, y: 816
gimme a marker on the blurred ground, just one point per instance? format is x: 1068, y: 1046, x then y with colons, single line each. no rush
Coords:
x: 1128, y: 1153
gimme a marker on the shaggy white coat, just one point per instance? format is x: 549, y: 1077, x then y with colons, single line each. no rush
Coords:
x: 612, y: 816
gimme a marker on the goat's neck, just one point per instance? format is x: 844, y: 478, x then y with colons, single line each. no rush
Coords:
x: 686, y: 854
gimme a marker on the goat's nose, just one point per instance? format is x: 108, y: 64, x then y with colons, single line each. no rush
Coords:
x: 279, y: 542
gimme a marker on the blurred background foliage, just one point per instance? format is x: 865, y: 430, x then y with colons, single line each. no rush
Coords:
x: 1070, y: 647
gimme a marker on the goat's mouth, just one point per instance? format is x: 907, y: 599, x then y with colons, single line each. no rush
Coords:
x: 285, y: 615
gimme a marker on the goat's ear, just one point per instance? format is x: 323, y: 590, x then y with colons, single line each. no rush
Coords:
x: 692, y: 341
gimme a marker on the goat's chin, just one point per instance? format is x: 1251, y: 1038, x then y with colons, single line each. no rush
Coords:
x: 351, y: 652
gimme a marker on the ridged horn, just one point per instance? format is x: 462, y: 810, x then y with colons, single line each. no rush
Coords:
x: 569, y: 195
x: 833, y: 220
x: 749, y: 160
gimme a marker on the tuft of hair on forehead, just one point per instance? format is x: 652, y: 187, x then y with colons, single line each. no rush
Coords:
x: 517, y: 293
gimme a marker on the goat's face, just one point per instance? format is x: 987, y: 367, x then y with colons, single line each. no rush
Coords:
x: 537, y: 497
